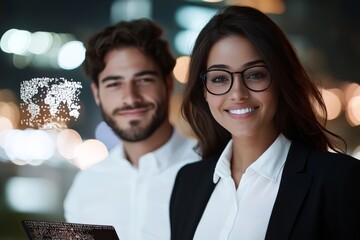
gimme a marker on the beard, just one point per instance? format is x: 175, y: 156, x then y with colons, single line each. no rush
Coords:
x: 136, y: 133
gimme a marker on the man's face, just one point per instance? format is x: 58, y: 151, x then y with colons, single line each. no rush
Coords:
x: 132, y: 94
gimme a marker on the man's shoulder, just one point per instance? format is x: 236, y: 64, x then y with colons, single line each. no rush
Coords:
x: 183, y: 147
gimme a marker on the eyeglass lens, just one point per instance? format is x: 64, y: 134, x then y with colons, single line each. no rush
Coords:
x: 219, y: 81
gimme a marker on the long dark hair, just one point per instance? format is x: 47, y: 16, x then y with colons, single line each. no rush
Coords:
x: 296, y: 117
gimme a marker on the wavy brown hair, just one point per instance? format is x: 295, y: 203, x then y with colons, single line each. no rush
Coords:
x: 142, y: 34
x: 296, y: 117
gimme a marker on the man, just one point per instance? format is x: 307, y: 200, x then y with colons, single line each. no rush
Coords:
x: 131, y: 69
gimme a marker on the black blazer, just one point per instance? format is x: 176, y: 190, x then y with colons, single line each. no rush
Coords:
x: 318, y: 198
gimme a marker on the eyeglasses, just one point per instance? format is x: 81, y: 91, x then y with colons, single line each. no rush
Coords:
x: 220, y: 81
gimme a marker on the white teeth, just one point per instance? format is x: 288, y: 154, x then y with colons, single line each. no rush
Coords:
x: 241, y: 111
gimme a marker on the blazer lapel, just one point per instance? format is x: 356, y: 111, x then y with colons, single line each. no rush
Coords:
x: 293, y: 189
x: 201, y: 190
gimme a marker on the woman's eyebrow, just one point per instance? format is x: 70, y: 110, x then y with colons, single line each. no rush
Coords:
x: 248, y: 64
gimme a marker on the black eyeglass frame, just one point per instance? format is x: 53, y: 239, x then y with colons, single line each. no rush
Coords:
x: 203, y: 77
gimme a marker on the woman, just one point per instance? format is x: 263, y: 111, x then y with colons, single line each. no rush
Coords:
x: 267, y: 172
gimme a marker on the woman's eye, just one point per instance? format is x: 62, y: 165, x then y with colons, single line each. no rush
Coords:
x: 256, y: 75
x: 219, y: 79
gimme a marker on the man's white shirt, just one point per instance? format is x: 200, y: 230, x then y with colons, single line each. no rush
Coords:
x: 135, y: 200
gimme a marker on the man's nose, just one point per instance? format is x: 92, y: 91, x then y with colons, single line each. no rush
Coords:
x: 131, y: 94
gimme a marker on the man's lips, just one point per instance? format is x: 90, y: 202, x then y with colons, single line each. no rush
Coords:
x: 133, y: 112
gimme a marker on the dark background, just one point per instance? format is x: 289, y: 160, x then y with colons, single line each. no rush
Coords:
x: 325, y: 33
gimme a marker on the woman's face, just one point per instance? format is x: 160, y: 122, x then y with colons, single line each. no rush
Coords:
x: 244, y: 113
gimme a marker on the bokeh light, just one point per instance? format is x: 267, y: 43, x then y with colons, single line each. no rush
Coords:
x: 88, y: 153
x: 66, y: 142
x: 181, y: 68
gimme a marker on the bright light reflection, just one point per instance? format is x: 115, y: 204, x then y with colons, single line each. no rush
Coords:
x: 266, y: 6
x: 71, y: 55
x: 181, y: 68
x: 184, y: 41
x: 332, y: 102
x: 349, y: 89
x: 4, y: 43
x: 40, y: 42
x: 66, y: 142
x: 33, y: 195
x: 28, y: 146
x: 5, y: 124
x: 89, y: 153
x: 127, y: 10
x: 19, y: 42
x: 193, y: 17
x: 353, y: 111
x: 11, y: 111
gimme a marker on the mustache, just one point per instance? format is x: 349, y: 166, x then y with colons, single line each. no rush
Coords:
x: 131, y: 107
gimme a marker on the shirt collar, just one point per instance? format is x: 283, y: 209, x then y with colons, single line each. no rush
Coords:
x: 269, y: 164
x: 159, y: 158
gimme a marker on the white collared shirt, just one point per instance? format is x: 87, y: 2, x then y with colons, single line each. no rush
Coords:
x: 135, y: 200
x: 243, y: 213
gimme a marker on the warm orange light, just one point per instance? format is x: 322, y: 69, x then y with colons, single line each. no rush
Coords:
x: 353, y: 111
x: 90, y: 152
x: 66, y: 142
x: 181, y: 68
x: 332, y: 103
x: 266, y: 6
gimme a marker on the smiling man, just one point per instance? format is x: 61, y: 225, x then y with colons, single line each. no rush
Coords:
x: 131, y: 70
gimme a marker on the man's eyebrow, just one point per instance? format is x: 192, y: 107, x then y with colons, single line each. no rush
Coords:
x: 111, y: 77
x: 138, y: 74
x: 248, y: 64
x: 146, y: 72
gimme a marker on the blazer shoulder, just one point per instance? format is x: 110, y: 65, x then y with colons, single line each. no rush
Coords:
x: 333, y: 160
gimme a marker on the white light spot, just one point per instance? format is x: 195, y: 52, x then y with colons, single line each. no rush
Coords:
x: 19, y: 42
x: 40, y: 42
x: 71, y: 55
x: 67, y: 141
x: 33, y: 195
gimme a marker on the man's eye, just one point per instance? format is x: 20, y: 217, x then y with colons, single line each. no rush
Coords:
x: 112, y: 84
x: 145, y: 81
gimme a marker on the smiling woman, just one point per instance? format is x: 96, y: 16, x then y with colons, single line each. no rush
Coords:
x: 266, y: 162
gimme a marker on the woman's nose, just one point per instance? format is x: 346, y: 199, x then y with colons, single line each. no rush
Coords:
x: 238, y: 89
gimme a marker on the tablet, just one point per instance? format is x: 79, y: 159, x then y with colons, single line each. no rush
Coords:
x: 50, y: 230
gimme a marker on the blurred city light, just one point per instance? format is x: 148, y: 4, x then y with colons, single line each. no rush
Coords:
x: 332, y: 103
x: 181, y: 68
x: 32, y: 195
x: 88, y: 153
x: 130, y: 9
x: 191, y: 19
x: 71, y: 55
x: 67, y: 141
x: 42, y: 49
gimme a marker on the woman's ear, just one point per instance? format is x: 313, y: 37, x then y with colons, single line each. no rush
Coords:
x: 205, y: 94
